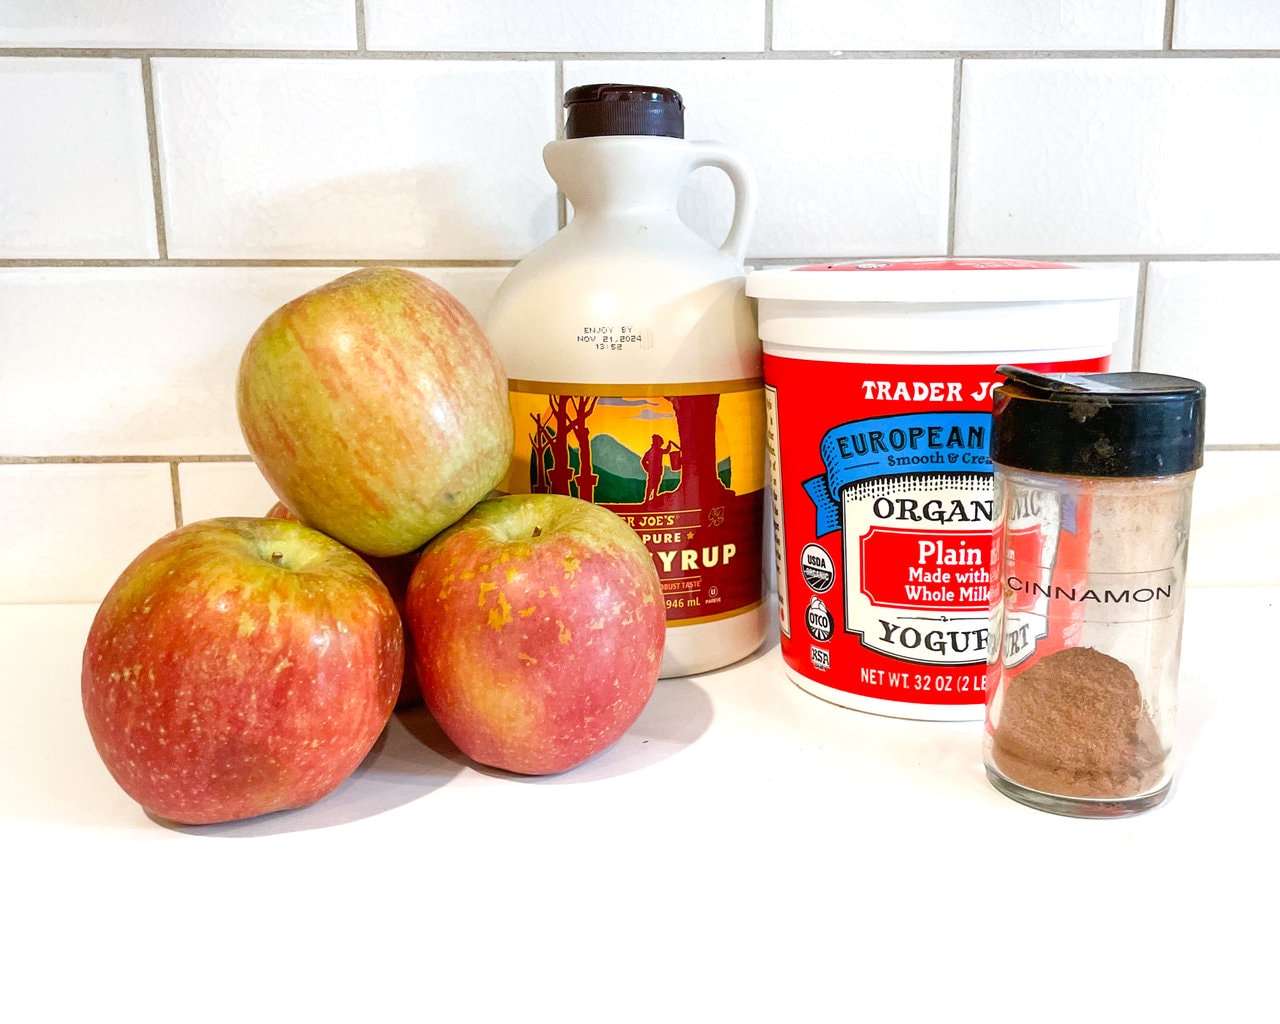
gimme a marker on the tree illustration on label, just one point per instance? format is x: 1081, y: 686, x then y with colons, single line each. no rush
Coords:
x: 560, y: 472
x: 685, y: 471
x: 555, y: 466
x: 582, y: 408
x: 655, y: 452
x: 694, y: 459
x: 540, y: 440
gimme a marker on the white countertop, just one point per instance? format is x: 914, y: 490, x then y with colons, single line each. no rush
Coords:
x: 745, y: 852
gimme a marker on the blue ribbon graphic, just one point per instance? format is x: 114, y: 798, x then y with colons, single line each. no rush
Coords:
x: 884, y: 446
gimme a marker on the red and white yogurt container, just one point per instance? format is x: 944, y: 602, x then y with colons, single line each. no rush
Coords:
x: 878, y: 378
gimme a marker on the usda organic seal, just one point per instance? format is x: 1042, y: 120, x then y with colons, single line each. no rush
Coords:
x: 817, y: 568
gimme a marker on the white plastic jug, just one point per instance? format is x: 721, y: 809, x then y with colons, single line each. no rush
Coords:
x: 635, y: 365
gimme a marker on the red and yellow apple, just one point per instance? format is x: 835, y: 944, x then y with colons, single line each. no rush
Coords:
x: 376, y: 409
x: 395, y: 573
x: 539, y: 624
x: 240, y: 666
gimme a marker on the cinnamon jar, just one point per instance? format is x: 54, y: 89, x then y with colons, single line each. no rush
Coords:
x: 1091, y: 505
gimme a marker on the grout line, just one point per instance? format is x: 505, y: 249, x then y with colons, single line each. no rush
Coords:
x: 96, y: 460
x: 339, y: 262
x: 335, y: 261
x: 1046, y: 256
x: 1139, y: 317
x: 1168, y: 24
x: 177, y: 494
x: 957, y: 80
x: 557, y: 118
x: 136, y: 53
x: 768, y: 27
x: 362, y: 44
x: 153, y: 150
x: 557, y: 106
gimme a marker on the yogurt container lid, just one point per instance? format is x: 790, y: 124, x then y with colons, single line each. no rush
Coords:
x: 953, y: 279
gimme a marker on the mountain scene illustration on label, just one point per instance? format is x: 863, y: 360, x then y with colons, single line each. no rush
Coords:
x: 682, y: 464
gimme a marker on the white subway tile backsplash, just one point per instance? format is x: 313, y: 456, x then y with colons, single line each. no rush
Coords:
x: 948, y: 25
x: 1122, y: 354
x: 75, y: 170
x: 300, y: 24
x: 109, y: 361
x: 583, y: 26
x: 131, y: 361
x: 852, y: 157
x: 296, y: 141
x: 1235, y: 511
x: 1226, y: 25
x: 67, y: 531
x: 210, y: 489
x: 1216, y: 322
x: 320, y: 159
x: 1083, y: 156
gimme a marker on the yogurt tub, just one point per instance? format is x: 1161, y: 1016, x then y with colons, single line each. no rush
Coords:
x: 878, y: 378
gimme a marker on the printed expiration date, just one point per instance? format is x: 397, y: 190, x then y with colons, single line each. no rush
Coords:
x: 610, y: 339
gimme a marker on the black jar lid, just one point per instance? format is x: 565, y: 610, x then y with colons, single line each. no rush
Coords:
x: 1098, y: 424
x: 614, y: 109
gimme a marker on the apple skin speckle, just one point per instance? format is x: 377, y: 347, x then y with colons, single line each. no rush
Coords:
x: 527, y: 666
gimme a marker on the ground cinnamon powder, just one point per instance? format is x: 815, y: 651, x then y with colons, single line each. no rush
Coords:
x: 1073, y: 724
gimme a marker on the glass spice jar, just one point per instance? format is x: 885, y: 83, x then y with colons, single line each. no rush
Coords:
x: 1091, y: 505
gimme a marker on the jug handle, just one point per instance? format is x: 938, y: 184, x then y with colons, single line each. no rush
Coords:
x: 711, y: 154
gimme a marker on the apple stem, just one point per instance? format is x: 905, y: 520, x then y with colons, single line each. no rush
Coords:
x: 537, y: 531
x: 277, y: 557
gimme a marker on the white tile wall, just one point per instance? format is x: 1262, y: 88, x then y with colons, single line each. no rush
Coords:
x: 292, y: 142
x: 110, y: 361
x: 1216, y: 322
x: 948, y: 25
x: 67, y: 531
x: 1119, y: 156
x: 75, y: 171
x: 824, y: 137
x: 1235, y: 512
x: 299, y: 24
x: 142, y: 361
x: 1226, y: 24
x: 210, y: 489
x: 1123, y: 356
x: 587, y: 26
x: 324, y: 159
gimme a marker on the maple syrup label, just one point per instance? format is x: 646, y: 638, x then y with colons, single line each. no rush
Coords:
x: 683, y: 464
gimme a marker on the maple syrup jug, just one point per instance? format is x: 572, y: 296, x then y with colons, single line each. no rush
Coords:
x: 635, y: 366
